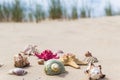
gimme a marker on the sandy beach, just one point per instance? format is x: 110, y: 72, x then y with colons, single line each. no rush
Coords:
x: 100, y: 36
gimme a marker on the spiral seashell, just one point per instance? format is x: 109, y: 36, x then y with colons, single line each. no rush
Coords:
x: 17, y: 71
x: 54, y: 67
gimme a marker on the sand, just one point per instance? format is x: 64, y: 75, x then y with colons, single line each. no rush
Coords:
x: 101, y: 36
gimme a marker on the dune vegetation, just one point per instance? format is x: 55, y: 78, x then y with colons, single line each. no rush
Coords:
x: 17, y: 13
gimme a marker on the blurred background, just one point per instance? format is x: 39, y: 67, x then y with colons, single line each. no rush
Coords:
x: 37, y: 10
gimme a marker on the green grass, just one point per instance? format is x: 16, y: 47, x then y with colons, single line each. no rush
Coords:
x: 108, y: 10
x: 1, y: 14
x: 7, y: 12
x: 39, y: 14
x: 55, y: 10
x: 17, y: 12
x: 74, y: 13
x: 83, y: 13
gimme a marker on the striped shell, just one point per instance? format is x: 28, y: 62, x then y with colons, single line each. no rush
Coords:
x: 17, y: 71
x: 91, y: 59
x: 54, y: 67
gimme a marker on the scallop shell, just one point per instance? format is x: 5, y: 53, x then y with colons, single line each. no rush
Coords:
x: 17, y: 71
x: 54, y: 67
x: 91, y: 59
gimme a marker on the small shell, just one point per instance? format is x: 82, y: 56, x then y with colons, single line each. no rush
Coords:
x: 60, y: 52
x: 91, y: 59
x: 41, y: 61
x: 17, y: 71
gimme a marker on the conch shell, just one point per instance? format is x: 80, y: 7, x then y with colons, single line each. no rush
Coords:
x: 17, y: 71
x: 71, y: 60
x: 21, y: 61
x: 54, y: 67
x: 89, y: 58
x: 94, y: 72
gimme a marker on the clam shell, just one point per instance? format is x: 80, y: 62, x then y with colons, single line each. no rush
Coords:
x: 17, y: 71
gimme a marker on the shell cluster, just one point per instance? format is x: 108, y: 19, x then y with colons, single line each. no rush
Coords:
x: 54, y: 67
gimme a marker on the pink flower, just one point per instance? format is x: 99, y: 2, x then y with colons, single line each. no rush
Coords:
x: 46, y: 55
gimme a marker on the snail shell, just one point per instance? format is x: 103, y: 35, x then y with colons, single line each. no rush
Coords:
x: 17, y: 71
x: 54, y: 67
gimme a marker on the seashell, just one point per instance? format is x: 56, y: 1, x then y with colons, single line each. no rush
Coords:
x: 71, y: 60
x: 30, y: 49
x: 94, y: 72
x: 21, y: 61
x: 17, y: 71
x: 89, y: 58
x: 40, y: 61
x: 59, y: 52
x: 54, y: 67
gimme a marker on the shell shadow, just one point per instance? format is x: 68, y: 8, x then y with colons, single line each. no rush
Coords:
x: 63, y: 74
x: 104, y: 79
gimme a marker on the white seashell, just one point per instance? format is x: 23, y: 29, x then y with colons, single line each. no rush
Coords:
x: 17, y: 71
x: 95, y: 73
